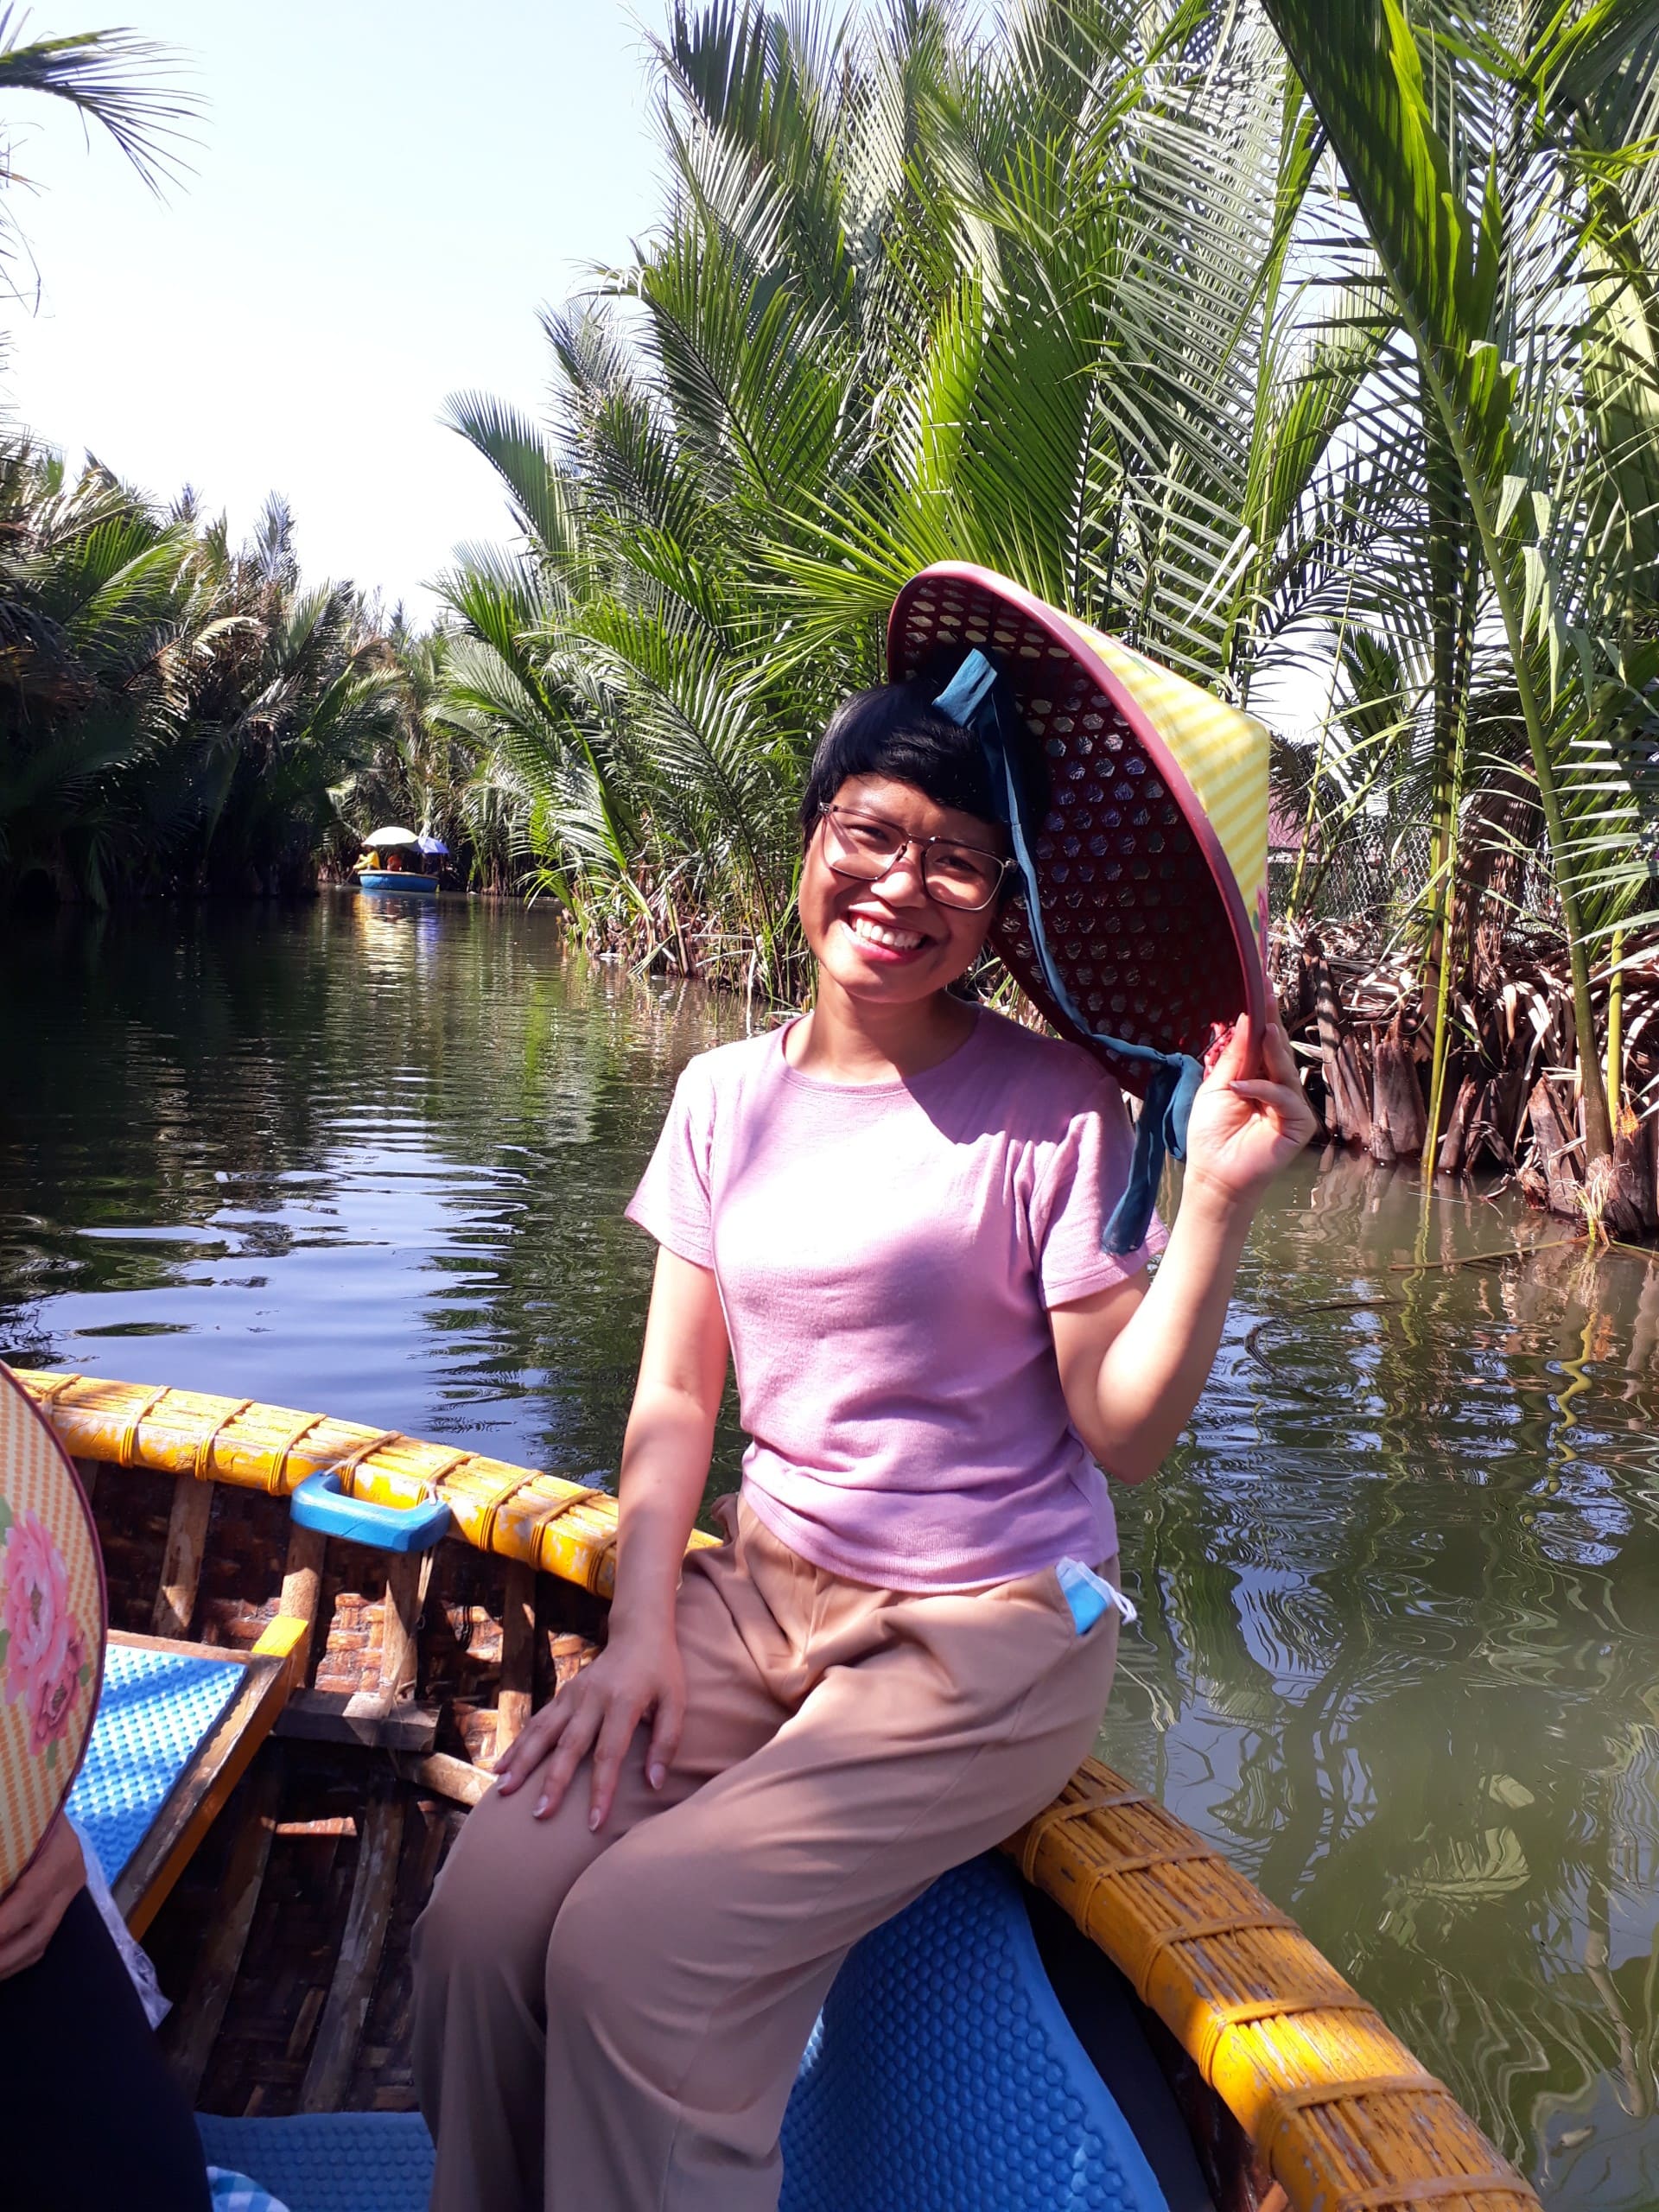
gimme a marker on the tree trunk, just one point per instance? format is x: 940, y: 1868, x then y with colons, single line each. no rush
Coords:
x: 1555, y: 1152
x: 1455, y: 1144
x: 1343, y: 1082
x: 1398, y: 1122
x: 1624, y: 1189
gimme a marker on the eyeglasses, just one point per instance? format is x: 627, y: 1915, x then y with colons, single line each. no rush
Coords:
x: 865, y: 847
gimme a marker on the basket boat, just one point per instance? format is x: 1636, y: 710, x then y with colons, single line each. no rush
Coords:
x: 278, y: 1897
x: 396, y: 883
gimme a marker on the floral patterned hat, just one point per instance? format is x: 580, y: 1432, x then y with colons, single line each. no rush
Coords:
x: 52, y: 1623
x: 1142, y: 930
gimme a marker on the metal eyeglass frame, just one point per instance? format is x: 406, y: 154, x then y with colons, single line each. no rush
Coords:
x: 904, y: 844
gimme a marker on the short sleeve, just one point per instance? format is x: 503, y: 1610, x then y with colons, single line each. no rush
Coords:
x: 672, y: 1201
x: 1083, y: 1181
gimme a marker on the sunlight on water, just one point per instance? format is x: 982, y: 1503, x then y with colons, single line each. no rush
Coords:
x: 1399, y: 1648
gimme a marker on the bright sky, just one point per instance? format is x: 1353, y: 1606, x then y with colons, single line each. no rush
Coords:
x: 384, y: 193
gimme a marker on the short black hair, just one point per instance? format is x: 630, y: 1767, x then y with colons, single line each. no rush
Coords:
x: 896, y: 730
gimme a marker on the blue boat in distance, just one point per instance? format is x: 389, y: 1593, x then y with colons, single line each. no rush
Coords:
x: 399, y: 862
x: 400, y: 883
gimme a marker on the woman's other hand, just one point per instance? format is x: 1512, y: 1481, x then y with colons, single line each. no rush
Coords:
x: 1250, y: 1118
x: 639, y: 1673
x: 37, y: 1900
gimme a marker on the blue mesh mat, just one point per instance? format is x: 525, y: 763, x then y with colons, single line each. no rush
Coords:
x: 329, y: 2161
x: 156, y: 1708
x: 943, y: 2075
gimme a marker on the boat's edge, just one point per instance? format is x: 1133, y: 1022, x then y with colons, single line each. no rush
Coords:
x: 1340, y: 2114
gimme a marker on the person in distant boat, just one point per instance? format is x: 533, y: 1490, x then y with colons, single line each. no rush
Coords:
x: 394, y: 863
x: 888, y: 1213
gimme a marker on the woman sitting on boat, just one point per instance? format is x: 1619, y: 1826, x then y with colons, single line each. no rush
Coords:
x: 889, y: 1215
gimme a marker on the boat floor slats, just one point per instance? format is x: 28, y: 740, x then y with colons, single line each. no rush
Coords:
x: 334, y: 2055
x: 272, y: 2021
x: 200, y: 2015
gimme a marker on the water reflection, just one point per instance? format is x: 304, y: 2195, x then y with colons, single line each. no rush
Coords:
x: 1398, y: 1644
x: 369, y: 1156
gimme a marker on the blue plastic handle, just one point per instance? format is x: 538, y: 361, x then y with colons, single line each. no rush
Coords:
x: 320, y: 1503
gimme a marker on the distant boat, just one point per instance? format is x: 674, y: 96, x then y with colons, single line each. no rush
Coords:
x: 400, y: 861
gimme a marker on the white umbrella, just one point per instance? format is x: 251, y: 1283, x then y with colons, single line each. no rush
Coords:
x: 391, y: 836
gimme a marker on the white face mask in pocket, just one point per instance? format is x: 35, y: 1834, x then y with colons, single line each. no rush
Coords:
x: 1090, y: 1595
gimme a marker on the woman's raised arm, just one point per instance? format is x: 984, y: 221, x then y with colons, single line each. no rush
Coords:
x: 1135, y: 1357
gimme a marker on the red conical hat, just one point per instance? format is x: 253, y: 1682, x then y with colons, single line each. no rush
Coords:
x: 1152, y: 856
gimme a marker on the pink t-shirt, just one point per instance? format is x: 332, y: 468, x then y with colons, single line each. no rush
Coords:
x: 886, y: 1255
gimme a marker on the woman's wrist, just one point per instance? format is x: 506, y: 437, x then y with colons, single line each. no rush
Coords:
x: 1218, y: 1207
x: 642, y: 1615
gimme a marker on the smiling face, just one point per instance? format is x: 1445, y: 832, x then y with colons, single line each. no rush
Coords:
x: 890, y: 942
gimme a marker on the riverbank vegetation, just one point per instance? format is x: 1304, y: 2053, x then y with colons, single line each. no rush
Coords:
x: 1333, y: 386
x: 1318, y: 356
x: 180, y: 715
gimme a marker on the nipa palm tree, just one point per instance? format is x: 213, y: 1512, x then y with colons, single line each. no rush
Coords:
x: 1026, y: 296
x: 1499, y: 156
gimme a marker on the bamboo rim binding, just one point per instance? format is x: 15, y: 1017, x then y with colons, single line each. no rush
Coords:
x: 564, y: 1528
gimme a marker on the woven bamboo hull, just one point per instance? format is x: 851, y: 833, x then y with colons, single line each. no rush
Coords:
x: 286, y: 1940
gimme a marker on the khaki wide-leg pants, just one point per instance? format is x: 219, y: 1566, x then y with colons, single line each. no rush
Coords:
x: 612, y: 2022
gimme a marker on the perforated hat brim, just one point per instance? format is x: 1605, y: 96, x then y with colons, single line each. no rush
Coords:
x: 1142, y: 912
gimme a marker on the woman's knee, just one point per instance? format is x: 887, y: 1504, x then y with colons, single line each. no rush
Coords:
x: 494, y: 1903
x: 607, y: 1951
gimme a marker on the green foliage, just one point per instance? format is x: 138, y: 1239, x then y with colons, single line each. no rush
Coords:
x: 111, y: 78
x: 1501, y: 161
x: 173, y: 715
x: 1026, y: 295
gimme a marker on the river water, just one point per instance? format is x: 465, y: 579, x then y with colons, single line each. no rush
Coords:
x: 1398, y: 1651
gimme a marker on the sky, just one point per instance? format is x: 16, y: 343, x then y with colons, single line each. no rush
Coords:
x: 381, y: 195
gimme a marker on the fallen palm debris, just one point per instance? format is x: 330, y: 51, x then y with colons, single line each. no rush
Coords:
x: 1358, y: 1019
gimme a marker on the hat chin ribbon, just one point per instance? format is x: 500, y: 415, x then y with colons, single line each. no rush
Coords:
x: 969, y: 699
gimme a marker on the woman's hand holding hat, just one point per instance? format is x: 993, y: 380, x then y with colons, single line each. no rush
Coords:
x: 1250, y: 1118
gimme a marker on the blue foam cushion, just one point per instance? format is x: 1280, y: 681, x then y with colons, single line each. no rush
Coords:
x: 329, y: 2161
x: 155, y: 1709
x: 943, y: 2075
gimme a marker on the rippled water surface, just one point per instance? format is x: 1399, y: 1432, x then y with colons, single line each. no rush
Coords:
x: 1399, y: 1648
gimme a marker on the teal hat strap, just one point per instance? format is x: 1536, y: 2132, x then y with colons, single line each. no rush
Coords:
x: 969, y: 699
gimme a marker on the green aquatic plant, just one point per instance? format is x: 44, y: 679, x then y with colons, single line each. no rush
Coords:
x: 1498, y: 158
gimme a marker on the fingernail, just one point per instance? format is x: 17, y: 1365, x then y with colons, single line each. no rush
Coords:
x: 593, y: 1819
x: 540, y: 1813
x: 657, y: 1776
